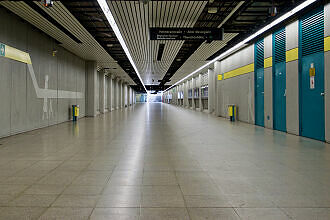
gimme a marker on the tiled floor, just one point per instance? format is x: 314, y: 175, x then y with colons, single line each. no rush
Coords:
x: 159, y: 161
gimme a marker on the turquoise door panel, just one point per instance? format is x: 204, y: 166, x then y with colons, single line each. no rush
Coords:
x: 312, y: 100
x: 311, y: 76
x: 279, y: 80
x: 260, y: 97
x: 279, y: 99
x: 259, y: 83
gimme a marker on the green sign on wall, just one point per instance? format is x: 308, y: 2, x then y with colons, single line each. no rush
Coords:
x: 2, y: 50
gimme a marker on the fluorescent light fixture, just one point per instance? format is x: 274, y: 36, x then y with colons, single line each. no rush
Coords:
x: 106, y: 10
x: 243, y: 43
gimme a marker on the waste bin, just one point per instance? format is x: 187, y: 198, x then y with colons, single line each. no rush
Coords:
x: 75, y: 112
x: 232, y: 112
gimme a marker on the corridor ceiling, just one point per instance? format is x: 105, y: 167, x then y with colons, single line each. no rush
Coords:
x: 82, y: 28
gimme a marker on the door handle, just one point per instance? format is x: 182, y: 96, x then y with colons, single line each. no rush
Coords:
x: 322, y: 93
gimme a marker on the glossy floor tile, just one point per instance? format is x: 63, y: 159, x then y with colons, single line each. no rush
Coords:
x: 158, y: 161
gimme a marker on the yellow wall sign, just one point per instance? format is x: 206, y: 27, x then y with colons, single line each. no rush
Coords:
x: 219, y: 77
x: 14, y: 54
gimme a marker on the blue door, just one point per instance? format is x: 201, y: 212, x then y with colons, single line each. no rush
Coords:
x: 312, y: 113
x: 259, y: 82
x: 279, y: 81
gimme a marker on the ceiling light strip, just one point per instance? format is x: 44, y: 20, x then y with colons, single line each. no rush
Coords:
x: 106, y: 10
x: 244, y: 42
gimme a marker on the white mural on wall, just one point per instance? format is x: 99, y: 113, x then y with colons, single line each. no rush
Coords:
x: 47, y: 112
x: 46, y: 94
x: 52, y: 93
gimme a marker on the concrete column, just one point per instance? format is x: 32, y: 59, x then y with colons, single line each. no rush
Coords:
x: 268, y: 83
x: 110, y: 93
x: 327, y: 74
x: 129, y: 96
x: 292, y: 81
x: 200, y: 93
x: 114, y: 94
x: 212, y: 92
x: 102, y: 91
x: 118, y: 96
x: 132, y: 97
x: 124, y: 95
x: 193, y: 83
x: 185, y: 94
x: 91, y: 77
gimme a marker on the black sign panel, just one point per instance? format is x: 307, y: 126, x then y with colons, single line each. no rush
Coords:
x: 201, y: 34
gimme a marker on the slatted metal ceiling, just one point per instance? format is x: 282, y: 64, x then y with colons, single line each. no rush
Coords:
x: 134, y: 19
x: 89, y: 49
x: 199, y: 57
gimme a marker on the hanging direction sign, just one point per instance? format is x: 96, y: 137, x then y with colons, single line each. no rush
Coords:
x: 200, y: 34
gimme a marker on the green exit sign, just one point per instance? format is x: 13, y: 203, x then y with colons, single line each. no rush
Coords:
x: 2, y: 50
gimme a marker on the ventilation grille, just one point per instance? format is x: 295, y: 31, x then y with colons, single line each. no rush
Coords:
x: 279, y: 46
x: 312, y: 33
x: 205, y: 79
x: 259, y: 54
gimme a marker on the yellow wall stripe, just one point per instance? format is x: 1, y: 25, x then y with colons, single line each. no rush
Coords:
x: 239, y: 71
x: 268, y: 62
x: 219, y: 77
x: 327, y: 43
x: 292, y: 55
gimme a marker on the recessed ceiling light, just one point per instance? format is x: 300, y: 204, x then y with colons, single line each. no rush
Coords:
x: 109, y: 45
x: 178, y: 59
x: 212, y: 10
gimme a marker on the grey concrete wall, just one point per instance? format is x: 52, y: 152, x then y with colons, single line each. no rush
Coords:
x: 268, y: 83
x: 292, y: 81
x: 237, y: 90
x: 21, y: 110
x: 91, y: 88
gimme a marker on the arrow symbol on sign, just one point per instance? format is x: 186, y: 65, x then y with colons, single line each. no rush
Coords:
x: 2, y: 50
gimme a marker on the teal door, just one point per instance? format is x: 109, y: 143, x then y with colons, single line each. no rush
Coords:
x: 312, y: 114
x: 279, y: 81
x: 259, y: 82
